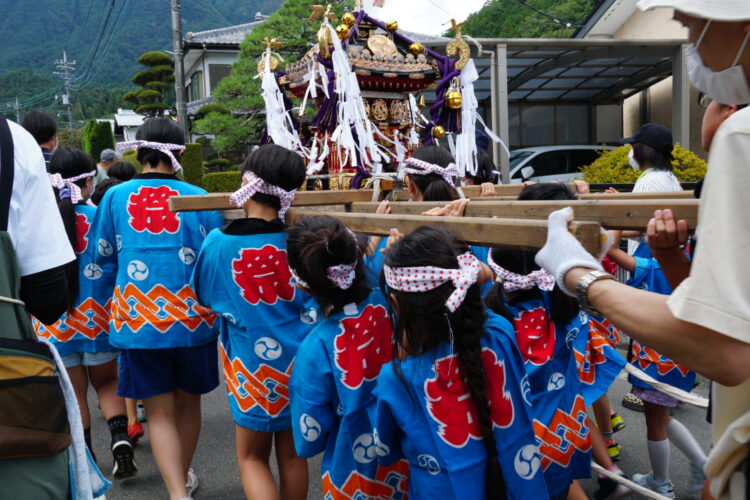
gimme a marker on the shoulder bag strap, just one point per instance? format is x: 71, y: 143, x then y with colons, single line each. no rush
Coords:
x: 6, y: 172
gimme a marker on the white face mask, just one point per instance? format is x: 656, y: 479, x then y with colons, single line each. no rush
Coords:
x: 632, y: 161
x: 728, y: 86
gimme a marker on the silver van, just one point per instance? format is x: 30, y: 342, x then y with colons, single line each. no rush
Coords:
x: 552, y: 163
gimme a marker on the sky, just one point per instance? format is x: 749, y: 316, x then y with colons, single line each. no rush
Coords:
x: 424, y: 16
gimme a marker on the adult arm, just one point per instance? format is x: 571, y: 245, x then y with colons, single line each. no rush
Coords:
x: 45, y: 294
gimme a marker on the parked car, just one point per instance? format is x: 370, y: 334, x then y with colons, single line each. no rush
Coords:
x: 552, y: 163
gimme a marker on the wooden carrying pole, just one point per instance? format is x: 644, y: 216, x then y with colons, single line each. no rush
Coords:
x: 475, y: 230
x: 612, y: 214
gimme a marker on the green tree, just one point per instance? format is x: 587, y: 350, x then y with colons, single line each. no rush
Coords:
x: 155, y: 81
x: 240, y: 92
x: 97, y: 136
x: 504, y: 19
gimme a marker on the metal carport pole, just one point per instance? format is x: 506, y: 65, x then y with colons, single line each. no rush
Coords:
x: 500, y: 109
x: 680, y: 98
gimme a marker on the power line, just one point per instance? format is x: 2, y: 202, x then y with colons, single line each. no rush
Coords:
x: 566, y: 24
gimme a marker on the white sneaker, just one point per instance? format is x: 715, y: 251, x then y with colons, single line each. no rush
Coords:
x: 697, y: 478
x: 665, y: 488
x: 192, y: 482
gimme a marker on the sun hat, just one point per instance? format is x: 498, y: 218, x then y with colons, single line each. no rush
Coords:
x: 722, y: 10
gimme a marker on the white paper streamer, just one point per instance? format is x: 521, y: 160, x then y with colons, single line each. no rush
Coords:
x: 278, y: 122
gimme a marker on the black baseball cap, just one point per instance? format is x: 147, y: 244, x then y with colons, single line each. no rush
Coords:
x: 657, y: 136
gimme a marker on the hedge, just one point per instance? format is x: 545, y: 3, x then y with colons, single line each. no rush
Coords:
x: 97, y: 136
x: 131, y: 155
x: 613, y: 167
x: 192, y: 166
x: 222, y: 182
x: 216, y: 165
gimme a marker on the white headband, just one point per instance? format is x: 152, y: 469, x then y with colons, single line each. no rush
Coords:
x: 341, y: 275
x: 59, y: 182
x: 513, y: 282
x: 254, y: 185
x: 165, y: 148
x: 424, y: 279
x: 424, y: 168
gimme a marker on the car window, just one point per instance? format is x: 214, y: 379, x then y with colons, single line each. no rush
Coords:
x: 550, y: 163
x: 580, y: 158
x: 517, y: 157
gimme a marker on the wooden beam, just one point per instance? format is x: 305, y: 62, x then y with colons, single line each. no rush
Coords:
x: 220, y: 201
x: 403, y: 195
x: 531, y: 234
x: 612, y: 214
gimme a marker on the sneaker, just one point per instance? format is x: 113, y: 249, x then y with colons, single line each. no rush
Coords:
x: 124, y: 459
x: 665, y: 488
x: 632, y: 402
x: 135, y: 432
x: 613, y: 449
x: 697, y: 478
x: 609, y: 489
x: 192, y: 482
x: 140, y: 412
x: 617, y: 422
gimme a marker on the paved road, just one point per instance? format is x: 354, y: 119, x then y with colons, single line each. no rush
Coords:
x: 215, y: 464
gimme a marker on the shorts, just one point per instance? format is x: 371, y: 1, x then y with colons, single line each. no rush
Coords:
x: 145, y: 373
x: 89, y: 358
x: 655, y: 397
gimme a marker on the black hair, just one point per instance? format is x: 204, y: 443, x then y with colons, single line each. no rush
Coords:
x: 317, y: 243
x: 158, y: 129
x: 41, y: 125
x: 121, y: 170
x: 564, y: 307
x: 102, y: 187
x: 423, y: 322
x: 278, y: 166
x: 71, y: 162
x: 486, y: 169
x: 432, y: 186
x: 646, y: 155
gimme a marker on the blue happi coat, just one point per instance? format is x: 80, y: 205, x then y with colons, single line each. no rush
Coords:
x: 648, y: 276
x: 426, y: 416
x: 596, y: 356
x: 332, y: 394
x: 242, y: 274
x: 142, y: 254
x: 556, y: 393
x: 86, y: 327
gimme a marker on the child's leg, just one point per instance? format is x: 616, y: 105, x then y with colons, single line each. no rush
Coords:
x: 165, y: 442
x: 684, y: 440
x: 603, y: 413
x: 657, y: 418
x: 130, y: 408
x: 80, y: 379
x: 576, y: 492
x: 104, y: 381
x: 253, y: 451
x: 188, y: 421
x: 292, y: 468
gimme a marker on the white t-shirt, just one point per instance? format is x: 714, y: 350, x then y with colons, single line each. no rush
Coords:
x: 717, y: 293
x: 653, y: 181
x: 34, y: 223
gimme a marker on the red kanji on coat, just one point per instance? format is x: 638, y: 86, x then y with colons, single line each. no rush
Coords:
x: 82, y: 232
x: 149, y: 210
x: 535, y: 335
x: 263, y: 275
x: 449, y: 400
x: 363, y: 346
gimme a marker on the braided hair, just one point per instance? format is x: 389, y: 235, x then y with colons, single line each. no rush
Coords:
x: 418, y: 330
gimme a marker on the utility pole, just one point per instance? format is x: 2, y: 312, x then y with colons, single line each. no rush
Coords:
x: 66, y: 68
x: 17, y: 107
x: 179, y: 73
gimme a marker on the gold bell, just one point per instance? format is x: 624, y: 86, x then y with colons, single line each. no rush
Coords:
x: 438, y: 132
x: 342, y: 31
x: 453, y: 99
x: 348, y: 19
x: 416, y: 48
x: 391, y: 26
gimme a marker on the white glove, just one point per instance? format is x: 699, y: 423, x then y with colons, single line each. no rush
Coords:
x: 563, y: 251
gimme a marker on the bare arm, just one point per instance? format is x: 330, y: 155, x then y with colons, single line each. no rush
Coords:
x: 622, y: 259
x: 646, y: 317
x: 665, y: 236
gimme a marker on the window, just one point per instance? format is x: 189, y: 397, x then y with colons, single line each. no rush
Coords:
x: 550, y: 163
x: 548, y: 124
x: 216, y: 73
x: 196, y: 86
x: 571, y: 124
x: 581, y: 158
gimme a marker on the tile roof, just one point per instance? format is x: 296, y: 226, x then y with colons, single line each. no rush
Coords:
x: 231, y: 35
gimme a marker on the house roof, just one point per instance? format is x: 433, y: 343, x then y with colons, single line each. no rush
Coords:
x: 229, y: 36
x: 606, y: 18
x: 128, y: 118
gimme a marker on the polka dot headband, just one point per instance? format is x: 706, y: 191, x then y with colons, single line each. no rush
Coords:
x: 426, y: 278
x: 68, y: 186
x: 513, y: 282
x: 165, y: 148
x: 419, y: 167
x: 341, y: 275
x: 254, y: 185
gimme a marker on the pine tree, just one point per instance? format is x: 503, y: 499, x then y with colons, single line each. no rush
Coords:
x: 156, y: 81
x: 240, y: 91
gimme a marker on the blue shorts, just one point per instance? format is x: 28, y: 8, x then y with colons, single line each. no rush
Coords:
x: 89, y: 358
x: 149, y: 372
